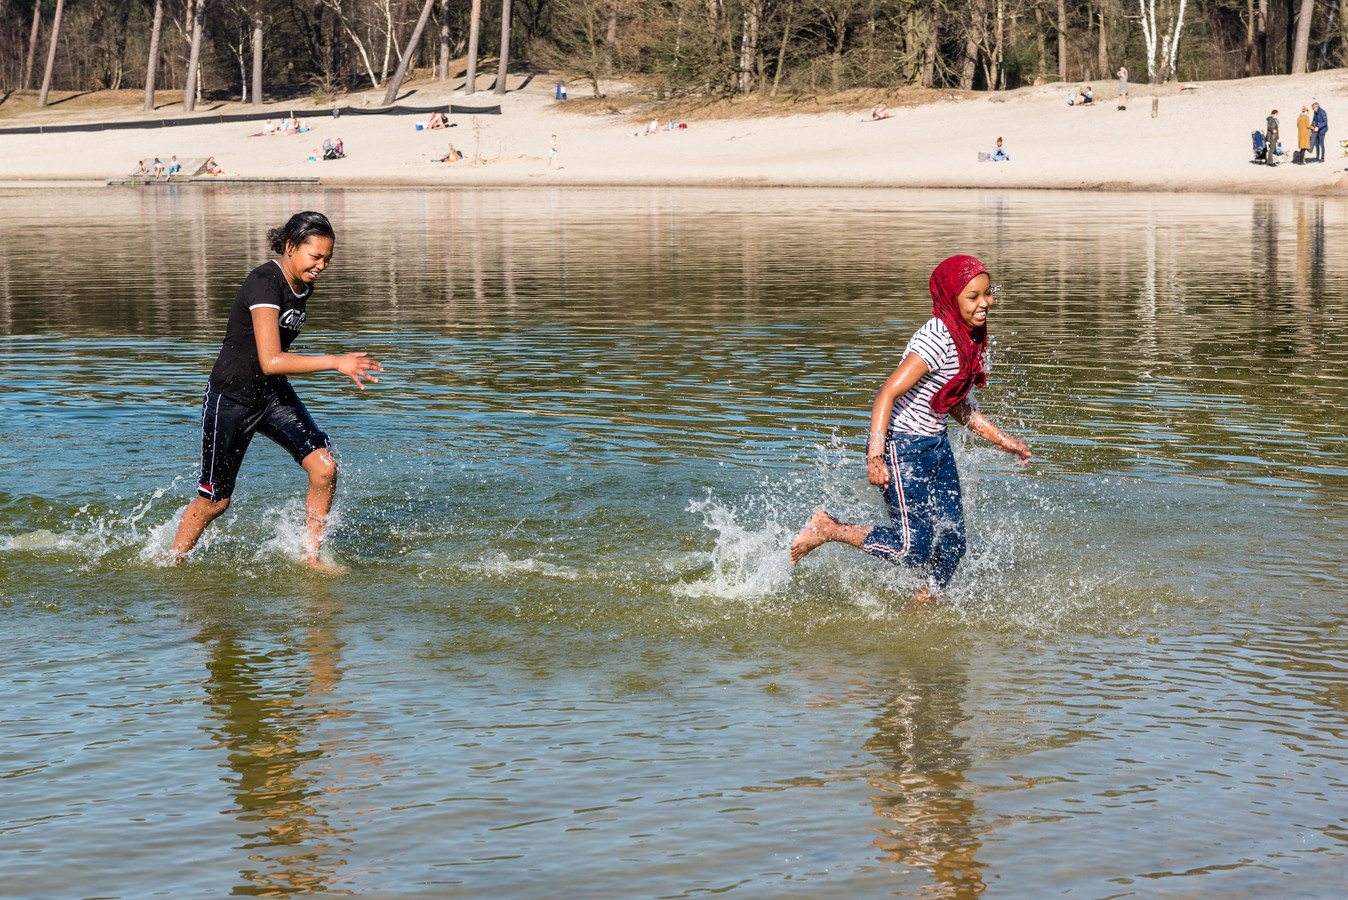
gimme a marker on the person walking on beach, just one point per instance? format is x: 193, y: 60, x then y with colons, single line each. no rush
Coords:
x: 1123, y: 88
x: 1271, y: 138
x: 248, y: 391
x: 552, y: 154
x: 1319, y: 125
x: 908, y: 454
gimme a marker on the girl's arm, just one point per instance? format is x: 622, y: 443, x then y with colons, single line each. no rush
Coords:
x: 976, y: 422
x: 267, y: 332
x: 909, y: 372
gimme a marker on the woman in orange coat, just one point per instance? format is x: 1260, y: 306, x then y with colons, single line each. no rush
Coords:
x: 1303, y: 134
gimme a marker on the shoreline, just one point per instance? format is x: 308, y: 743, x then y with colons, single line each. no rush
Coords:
x: 1199, y: 143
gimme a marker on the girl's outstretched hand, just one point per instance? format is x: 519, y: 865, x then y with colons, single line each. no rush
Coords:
x: 1021, y: 449
x: 877, y: 471
x: 357, y: 366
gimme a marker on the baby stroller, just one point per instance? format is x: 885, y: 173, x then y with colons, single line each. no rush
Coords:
x: 1260, y: 146
x: 332, y: 148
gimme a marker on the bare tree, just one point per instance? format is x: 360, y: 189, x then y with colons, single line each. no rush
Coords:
x: 399, y: 75
x: 503, y: 66
x: 51, y: 53
x: 1162, y: 46
x: 444, y: 41
x: 196, y: 14
x: 974, y: 41
x: 32, y: 43
x: 474, y: 32
x: 258, y: 16
x: 1062, y: 40
x: 152, y: 67
x: 1303, y: 40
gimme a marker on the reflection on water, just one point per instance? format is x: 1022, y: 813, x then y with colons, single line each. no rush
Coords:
x: 572, y: 655
x: 267, y: 705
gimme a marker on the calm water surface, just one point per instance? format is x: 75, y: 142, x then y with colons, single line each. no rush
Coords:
x: 572, y: 657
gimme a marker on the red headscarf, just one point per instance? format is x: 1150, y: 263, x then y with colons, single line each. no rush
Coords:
x: 948, y: 281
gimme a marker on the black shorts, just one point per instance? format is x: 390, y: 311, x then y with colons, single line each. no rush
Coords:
x: 227, y: 427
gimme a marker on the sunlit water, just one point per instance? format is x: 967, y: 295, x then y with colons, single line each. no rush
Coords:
x: 572, y: 658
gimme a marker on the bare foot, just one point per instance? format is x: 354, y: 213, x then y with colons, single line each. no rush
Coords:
x: 817, y: 531
x: 923, y: 598
x: 326, y: 568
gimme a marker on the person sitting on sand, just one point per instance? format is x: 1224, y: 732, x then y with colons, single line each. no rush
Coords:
x: 451, y: 155
x: 1000, y: 153
x: 214, y: 168
x: 438, y: 121
x: 909, y: 455
x: 1082, y: 97
x: 268, y: 127
x: 880, y: 112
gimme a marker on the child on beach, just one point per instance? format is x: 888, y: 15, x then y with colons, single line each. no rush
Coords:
x: 552, y: 153
x: 908, y: 453
x: 248, y: 391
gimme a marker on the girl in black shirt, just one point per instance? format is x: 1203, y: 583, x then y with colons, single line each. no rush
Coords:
x: 249, y: 392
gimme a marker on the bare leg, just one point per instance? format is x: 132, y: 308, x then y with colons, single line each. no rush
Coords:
x: 823, y: 528
x: 322, y: 469
x: 199, y: 513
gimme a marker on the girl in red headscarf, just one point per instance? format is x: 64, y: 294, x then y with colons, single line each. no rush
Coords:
x: 908, y: 453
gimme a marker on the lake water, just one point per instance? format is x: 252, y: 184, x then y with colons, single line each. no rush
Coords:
x: 571, y: 656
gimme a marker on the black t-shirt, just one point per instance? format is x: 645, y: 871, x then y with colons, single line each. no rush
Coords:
x: 238, y: 373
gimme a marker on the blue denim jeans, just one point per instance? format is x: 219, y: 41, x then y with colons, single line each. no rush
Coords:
x: 924, y: 503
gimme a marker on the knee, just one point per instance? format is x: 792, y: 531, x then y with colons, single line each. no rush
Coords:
x: 322, y: 468
x: 209, y: 509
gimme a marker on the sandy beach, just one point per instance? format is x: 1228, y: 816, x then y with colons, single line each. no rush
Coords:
x: 1199, y: 141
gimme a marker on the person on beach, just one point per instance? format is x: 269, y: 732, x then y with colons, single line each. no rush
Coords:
x: 214, y: 168
x: 880, y: 112
x: 248, y: 391
x: 174, y: 167
x: 552, y: 154
x: 999, y: 154
x: 908, y: 454
x: 1271, y: 138
x: 1319, y: 126
x: 140, y: 168
x: 1123, y: 88
x: 1303, y: 136
x: 157, y: 169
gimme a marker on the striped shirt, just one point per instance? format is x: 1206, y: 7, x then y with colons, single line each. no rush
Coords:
x: 912, y: 412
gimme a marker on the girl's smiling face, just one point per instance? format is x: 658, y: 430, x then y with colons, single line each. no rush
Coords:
x: 976, y: 300
x: 304, y: 262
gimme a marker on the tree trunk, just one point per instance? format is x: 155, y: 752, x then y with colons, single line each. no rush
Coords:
x: 194, y: 58
x: 51, y: 53
x: 257, y: 53
x: 973, y: 43
x: 998, y: 81
x: 781, y: 51
x: 1042, y: 75
x: 1329, y: 30
x: 152, y: 67
x: 32, y: 44
x: 401, y: 73
x: 1290, y: 37
x: 1261, y: 38
x: 317, y: 51
x: 444, y: 41
x: 610, y: 39
x: 474, y: 31
x: 932, y: 49
x: 504, y: 64
x: 1062, y: 40
x: 1102, y: 48
x: 1303, y: 38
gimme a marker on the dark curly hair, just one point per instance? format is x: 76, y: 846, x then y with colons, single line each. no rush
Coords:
x: 299, y: 229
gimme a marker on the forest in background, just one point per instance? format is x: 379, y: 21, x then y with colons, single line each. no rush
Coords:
x: 250, y: 50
